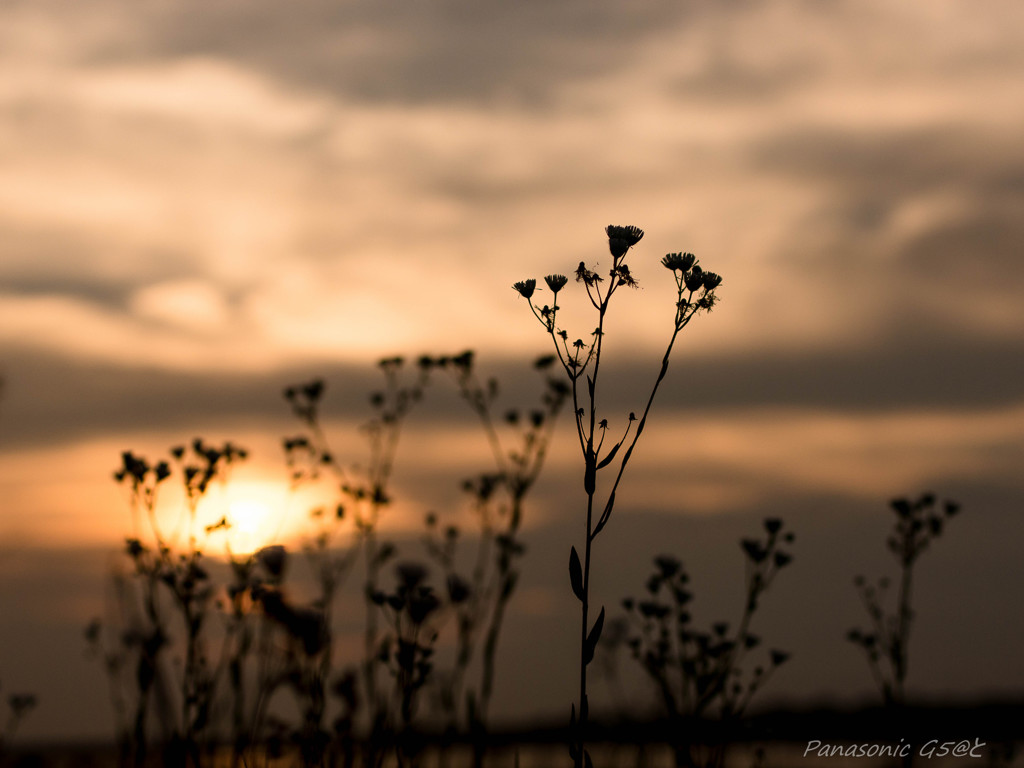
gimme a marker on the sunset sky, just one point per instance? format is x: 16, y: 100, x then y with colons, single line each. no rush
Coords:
x: 203, y: 202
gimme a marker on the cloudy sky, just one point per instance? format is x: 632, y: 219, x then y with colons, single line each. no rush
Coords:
x: 200, y: 203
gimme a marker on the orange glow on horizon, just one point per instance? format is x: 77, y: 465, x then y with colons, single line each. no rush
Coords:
x: 732, y: 458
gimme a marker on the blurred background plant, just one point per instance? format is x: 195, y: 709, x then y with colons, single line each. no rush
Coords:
x: 267, y: 679
x: 18, y: 704
x: 481, y: 586
x: 699, y: 673
x: 163, y: 602
x: 362, y: 494
x: 407, y: 651
x: 18, y: 707
x: 886, y: 642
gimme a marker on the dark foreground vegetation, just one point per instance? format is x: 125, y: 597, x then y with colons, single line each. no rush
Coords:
x: 234, y: 665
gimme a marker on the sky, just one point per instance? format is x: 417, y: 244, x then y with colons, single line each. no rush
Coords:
x: 201, y: 203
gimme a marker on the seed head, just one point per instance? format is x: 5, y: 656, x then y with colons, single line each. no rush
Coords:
x: 526, y: 288
x: 711, y: 281
x: 273, y: 558
x: 679, y: 262
x: 695, y: 279
x: 621, y: 239
x: 556, y: 282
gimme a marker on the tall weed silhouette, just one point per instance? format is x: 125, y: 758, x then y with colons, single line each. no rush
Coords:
x: 581, y: 361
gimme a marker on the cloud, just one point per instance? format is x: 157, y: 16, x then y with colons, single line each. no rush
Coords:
x: 215, y: 198
x: 190, y: 304
x: 211, y: 92
x: 920, y: 227
x: 53, y: 323
x: 735, y: 459
x: 316, y: 201
x: 120, y: 368
x: 691, y: 460
x: 414, y: 54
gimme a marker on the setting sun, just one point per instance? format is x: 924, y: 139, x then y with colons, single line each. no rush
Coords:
x: 252, y: 526
x: 252, y: 513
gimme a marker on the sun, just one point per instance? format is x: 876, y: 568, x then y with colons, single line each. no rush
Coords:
x: 252, y: 525
x: 255, y: 512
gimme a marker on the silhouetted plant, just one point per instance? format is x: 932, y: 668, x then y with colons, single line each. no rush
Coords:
x: 479, y: 598
x: 498, y: 504
x: 163, y: 570
x: 18, y: 704
x: 296, y: 662
x: 582, y: 361
x: 239, y: 643
x: 190, y: 584
x: 290, y: 645
x: 886, y: 642
x: 363, y: 494
x: 407, y: 650
x: 18, y: 707
x: 700, y: 673
x: 145, y: 633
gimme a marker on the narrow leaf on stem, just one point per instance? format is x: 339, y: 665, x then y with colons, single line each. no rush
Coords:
x: 576, y: 574
x: 607, y: 513
x: 611, y: 455
x: 593, y: 637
